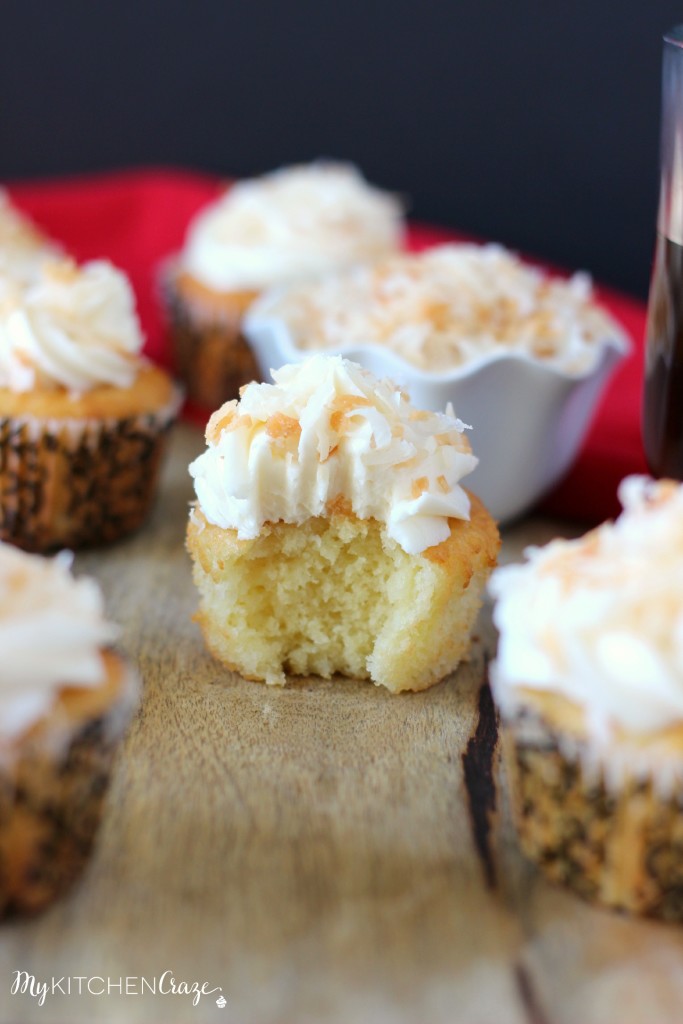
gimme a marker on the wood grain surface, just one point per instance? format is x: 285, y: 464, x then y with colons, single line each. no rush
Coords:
x: 324, y: 852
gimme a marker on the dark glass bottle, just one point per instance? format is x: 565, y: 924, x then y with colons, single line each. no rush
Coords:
x: 663, y: 398
x: 663, y: 391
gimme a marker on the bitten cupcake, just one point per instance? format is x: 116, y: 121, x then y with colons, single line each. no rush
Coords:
x: 65, y: 701
x: 331, y: 533
x: 292, y: 224
x: 83, y: 417
x: 589, y: 682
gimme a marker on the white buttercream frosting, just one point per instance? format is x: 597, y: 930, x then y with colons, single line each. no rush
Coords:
x: 599, y: 620
x: 448, y: 307
x: 328, y: 430
x: 52, y: 630
x: 23, y: 248
x: 294, y: 223
x: 74, y: 328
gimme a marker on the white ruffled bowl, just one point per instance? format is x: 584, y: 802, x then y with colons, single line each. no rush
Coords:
x: 528, y: 418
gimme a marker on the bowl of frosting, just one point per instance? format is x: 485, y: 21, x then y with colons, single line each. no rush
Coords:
x: 522, y: 356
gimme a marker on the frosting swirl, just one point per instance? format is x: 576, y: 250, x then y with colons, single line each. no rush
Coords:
x: 328, y: 433
x: 447, y: 307
x: 23, y: 249
x: 74, y: 328
x: 52, y: 630
x: 294, y: 223
x: 599, y: 620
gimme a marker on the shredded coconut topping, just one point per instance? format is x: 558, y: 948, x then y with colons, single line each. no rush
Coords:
x: 329, y: 435
x: 600, y: 619
x: 447, y: 307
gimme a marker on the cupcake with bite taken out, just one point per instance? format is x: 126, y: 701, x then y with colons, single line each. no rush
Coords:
x: 332, y: 534
x: 65, y: 700
x: 83, y: 416
x: 290, y: 225
x: 589, y: 682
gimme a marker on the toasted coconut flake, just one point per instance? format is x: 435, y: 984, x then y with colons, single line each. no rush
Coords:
x: 339, y: 506
x: 419, y: 486
x: 281, y: 426
x: 221, y: 420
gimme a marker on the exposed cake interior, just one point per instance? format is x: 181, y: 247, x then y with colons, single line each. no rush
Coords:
x: 338, y: 595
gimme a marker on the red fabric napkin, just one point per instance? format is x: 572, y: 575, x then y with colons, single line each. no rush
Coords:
x: 136, y: 218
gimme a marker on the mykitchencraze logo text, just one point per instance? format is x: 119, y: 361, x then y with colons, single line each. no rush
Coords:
x: 96, y: 985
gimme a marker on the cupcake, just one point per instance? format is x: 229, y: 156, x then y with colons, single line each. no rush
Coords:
x: 589, y: 682
x: 65, y: 700
x: 23, y: 247
x: 83, y: 417
x: 446, y: 309
x: 520, y: 354
x: 292, y: 224
x: 331, y: 534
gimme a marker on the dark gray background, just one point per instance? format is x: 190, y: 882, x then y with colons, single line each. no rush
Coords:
x: 534, y: 123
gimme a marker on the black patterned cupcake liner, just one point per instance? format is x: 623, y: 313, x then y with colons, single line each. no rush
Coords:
x: 52, y: 790
x: 212, y: 357
x: 72, y: 483
x: 606, y: 823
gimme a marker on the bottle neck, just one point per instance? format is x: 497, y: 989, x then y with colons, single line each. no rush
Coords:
x: 670, y: 215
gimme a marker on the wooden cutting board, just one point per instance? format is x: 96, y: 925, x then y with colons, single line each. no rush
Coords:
x: 324, y: 852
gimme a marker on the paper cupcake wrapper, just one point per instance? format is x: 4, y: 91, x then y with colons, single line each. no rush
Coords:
x: 51, y: 797
x: 76, y: 483
x: 212, y: 357
x: 613, y: 836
